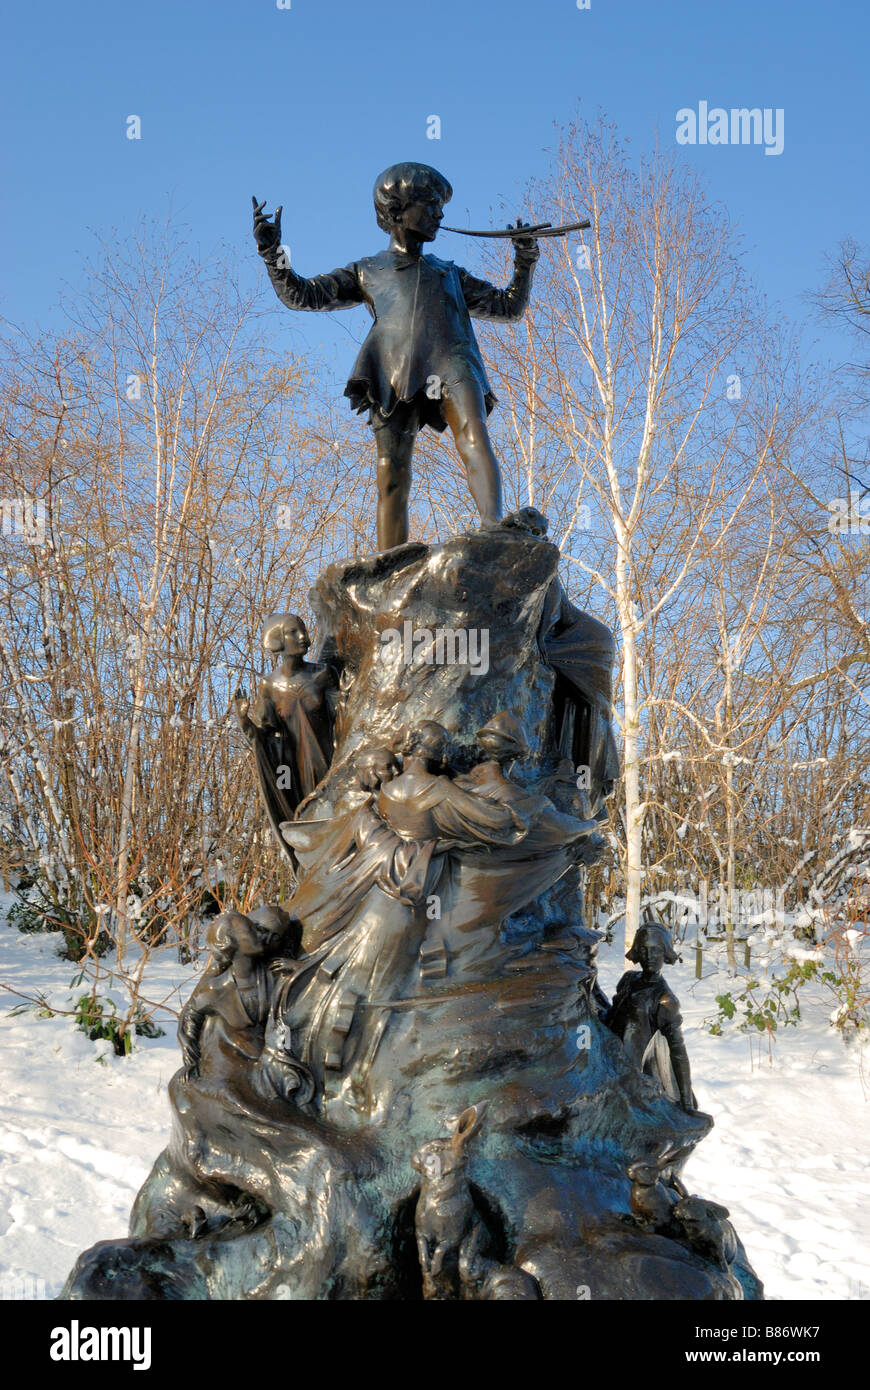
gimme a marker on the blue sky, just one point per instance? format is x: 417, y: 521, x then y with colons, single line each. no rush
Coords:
x: 305, y: 105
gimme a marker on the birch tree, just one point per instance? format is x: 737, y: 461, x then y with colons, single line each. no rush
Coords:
x: 649, y: 346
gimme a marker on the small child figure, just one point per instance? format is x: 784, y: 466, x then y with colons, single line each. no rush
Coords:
x: 645, y: 1014
x: 420, y: 364
x: 222, y: 1026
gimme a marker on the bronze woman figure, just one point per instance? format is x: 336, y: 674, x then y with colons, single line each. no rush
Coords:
x: 290, y: 723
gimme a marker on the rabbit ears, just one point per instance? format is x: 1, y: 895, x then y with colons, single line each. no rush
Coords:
x: 467, y: 1125
x: 647, y: 1170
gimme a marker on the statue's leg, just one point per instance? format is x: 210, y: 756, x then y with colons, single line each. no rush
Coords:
x: 465, y: 412
x: 395, y: 447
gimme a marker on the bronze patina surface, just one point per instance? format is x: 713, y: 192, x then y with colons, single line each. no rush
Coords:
x: 405, y: 1082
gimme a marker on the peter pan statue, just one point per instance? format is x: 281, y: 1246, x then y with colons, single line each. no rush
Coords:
x: 420, y: 364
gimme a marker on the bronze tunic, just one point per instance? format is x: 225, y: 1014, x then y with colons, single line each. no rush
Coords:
x: 422, y: 309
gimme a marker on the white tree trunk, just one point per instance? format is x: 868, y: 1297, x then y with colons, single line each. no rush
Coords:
x: 634, y: 807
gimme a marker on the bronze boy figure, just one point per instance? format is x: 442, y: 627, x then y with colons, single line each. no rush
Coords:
x: 420, y: 364
x: 645, y: 1013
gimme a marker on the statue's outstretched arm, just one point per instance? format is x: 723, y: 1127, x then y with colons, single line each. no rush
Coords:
x: 484, y: 301
x: 339, y: 290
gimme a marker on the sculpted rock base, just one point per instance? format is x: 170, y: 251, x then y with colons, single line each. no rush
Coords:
x: 452, y: 1118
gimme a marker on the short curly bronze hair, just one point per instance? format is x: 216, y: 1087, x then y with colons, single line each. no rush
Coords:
x: 402, y: 184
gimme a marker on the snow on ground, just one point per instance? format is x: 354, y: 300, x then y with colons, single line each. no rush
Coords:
x: 789, y: 1153
x: 80, y: 1128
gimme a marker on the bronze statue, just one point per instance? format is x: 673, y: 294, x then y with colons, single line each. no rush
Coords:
x: 707, y: 1229
x: 454, y: 1244
x: 645, y: 1014
x: 290, y: 723
x: 224, y: 1020
x: 425, y: 807
x: 445, y: 1219
x: 367, y: 878
x: 371, y: 877
x: 661, y: 1206
x: 420, y: 364
x: 503, y: 741
x: 656, y: 1189
x: 581, y: 651
x: 433, y: 959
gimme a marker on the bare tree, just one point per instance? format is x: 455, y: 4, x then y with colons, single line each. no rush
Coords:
x: 655, y: 416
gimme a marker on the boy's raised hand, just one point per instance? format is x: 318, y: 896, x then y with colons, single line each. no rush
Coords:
x: 526, y: 246
x: 267, y: 234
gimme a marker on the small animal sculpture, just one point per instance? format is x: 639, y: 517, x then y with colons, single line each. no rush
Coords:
x: 655, y: 1189
x: 486, y: 1279
x: 652, y: 1204
x: 708, y: 1230
x: 661, y: 1206
x: 446, y: 1216
x: 509, y: 1283
x: 526, y: 519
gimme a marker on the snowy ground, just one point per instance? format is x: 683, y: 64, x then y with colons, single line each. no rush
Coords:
x: 789, y: 1153
x: 80, y: 1128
